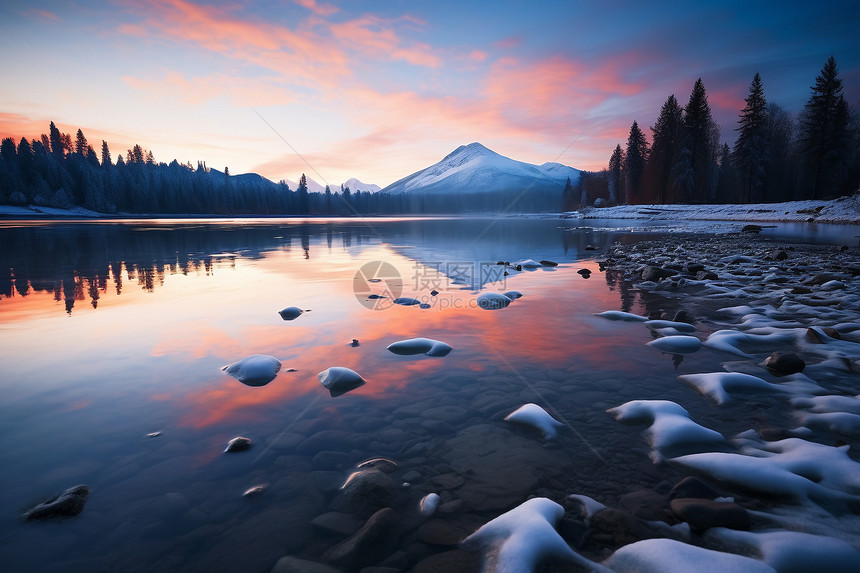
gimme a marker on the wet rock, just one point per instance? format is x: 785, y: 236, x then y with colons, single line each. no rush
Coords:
x: 339, y: 380
x: 238, y: 444
x: 407, y: 301
x: 655, y: 274
x: 256, y: 370
x: 584, y: 272
x: 615, y: 528
x: 704, y: 513
x: 290, y: 313
x: 441, y: 532
x: 376, y: 539
x: 706, y: 276
x: 337, y: 523
x: 547, y: 263
x: 366, y: 491
x: 819, y: 335
x: 429, y: 504
x: 684, y: 316
x: 381, y: 464
x: 693, y: 487
x: 354, y: 342
x: 290, y: 564
x: 456, y: 561
x: 254, y: 491
x: 751, y: 229
x: 782, y: 363
x: 449, y: 480
x: 645, y: 504
x: 69, y: 503
x: 801, y: 290
x: 493, y: 301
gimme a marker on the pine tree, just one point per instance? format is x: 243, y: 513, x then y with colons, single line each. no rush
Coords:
x: 666, y: 135
x: 634, y: 161
x: 699, y: 147
x: 750, y: 154
x: 824, y: 133
x: 80, y: 143
x: 105, y: 154
x: 615, y: 163
x: 56, y: 141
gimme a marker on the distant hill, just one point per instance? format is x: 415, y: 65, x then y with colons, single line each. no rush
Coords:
x: 353, y: 184
x: 475, y: 169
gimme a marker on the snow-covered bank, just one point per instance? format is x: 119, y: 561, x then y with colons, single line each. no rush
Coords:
x: 844, y: 210
x: 35, y: 211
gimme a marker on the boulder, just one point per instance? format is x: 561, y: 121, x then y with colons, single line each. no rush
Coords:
x: 376, y: 539
x: 67, y: 504
x: 705, y: 513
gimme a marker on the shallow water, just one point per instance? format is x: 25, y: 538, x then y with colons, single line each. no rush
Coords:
x: 112, y: 331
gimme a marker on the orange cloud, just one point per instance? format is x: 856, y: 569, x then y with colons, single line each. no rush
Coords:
x: 199, y: 89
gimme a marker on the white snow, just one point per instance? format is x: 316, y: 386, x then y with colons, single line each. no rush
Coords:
x: 536, y: 417
x: 670, y: 431
x: 844, y: 210
x: 676, y: 344
x: 426, y: 346
x: 792, y: 467
x: 516, y: 541
x: 662, y: 324
x: 790, y: 551
x: 621, y: 315
x: 477, y: 168
x: 256, y: 370
x: 670, y: 556
x: 719, y: 385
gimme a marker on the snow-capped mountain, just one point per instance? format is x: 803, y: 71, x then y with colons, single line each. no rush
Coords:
x: 474, y: 168
x: 356, y: 185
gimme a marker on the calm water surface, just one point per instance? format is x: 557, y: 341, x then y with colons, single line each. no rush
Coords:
x: 112, y: 331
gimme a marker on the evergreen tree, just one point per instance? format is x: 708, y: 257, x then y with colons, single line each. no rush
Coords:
x: 666, y: 135
x: 824, y: 135
x: 697, y: 159
x: 634, y: 161
x: 615, y: 163
x: 751, y: 154
x: 106, y: 161
x: 56, y: 141
x: 80, y: 143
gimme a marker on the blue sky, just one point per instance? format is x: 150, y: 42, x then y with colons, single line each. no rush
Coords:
x: 378, y: 90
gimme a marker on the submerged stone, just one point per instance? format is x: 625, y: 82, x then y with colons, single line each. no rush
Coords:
x: 535, y: 417
x: 407, y: 301
x: 67, y: 504
x: 784, y: 363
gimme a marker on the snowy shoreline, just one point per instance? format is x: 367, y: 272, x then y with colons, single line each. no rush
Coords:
x: 844, y: 211
x: 841, y: 211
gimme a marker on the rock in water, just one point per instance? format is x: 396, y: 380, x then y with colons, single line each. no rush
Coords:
x: 536, y: 417
x: 513, y: 294
x: 372, y: 543
x: 784, y: 363
x: 67, y: 504
x: 238, y: 444
x: 256, y: 370
x: 426, y: 346
x: 290, y: 313
x: 677, y: 344
x: 339, y: 380
x: 705, y: 513
x: 493, y: 301
x: 255, y: 491
x: 428, y: 504
x: 407, y: 301
x: 621, y: 315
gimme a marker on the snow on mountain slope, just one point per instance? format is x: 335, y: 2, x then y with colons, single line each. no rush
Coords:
x: 356, y: 185
x: 475, y: 168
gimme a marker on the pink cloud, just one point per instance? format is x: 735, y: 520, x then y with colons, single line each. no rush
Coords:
x: 41, y: 15
x: 377, y: 38
x: 196, y: 90
x: 320, y: 9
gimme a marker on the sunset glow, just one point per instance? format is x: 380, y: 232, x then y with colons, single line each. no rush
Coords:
x: 378, y: 90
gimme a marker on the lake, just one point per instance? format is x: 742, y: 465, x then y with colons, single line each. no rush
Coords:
x: 113, y: 336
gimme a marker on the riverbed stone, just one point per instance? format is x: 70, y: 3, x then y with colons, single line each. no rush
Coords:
x: 372, y: 543
x: 705, y: 513
x: 783, y: 363
x: 68, y: 504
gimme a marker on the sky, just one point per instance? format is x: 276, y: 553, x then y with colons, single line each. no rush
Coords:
x: 380, y: 89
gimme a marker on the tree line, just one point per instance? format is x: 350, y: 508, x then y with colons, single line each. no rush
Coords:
x: 775, y: 157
